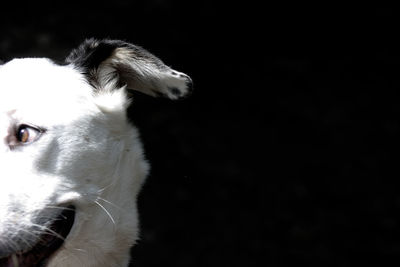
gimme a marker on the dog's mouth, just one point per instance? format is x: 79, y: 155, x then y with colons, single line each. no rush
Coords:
x: 49, y: 242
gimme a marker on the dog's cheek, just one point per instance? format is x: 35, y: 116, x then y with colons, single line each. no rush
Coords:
x: 87, y: 157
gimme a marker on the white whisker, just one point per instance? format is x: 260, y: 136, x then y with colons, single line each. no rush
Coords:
x: 70, y: 252
x: 48, y: 231
x: 14, y: 260
x: 109, y: 202
x: 32, y: 233
x: 106, y: 211
x: 58, y: 207
x: 80, y: 250
x: 101, y: 190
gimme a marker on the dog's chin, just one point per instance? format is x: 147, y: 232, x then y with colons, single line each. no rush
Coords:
x: 48, y: 244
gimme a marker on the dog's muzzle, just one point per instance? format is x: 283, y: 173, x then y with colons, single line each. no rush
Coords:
x: 39, y: 253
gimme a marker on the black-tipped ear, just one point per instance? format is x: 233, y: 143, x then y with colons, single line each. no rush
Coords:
x: 115, y: 63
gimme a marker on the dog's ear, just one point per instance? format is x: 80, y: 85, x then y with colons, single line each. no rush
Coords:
x: 109, y: 64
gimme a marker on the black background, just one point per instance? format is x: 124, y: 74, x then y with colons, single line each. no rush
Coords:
x: 285, y: 155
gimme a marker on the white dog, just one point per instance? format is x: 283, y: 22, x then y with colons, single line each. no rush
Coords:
x: 71, y: 165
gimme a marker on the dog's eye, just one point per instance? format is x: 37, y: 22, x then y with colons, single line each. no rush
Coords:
x: 27, y: 134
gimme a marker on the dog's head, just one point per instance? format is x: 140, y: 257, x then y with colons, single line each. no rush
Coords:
x: 71, y: 164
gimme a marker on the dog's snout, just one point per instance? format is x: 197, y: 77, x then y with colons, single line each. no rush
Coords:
x: 5, y: 250
x: 15, y: 238
x: 31, y: 244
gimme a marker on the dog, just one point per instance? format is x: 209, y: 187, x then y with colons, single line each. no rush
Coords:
x: 71, y: 163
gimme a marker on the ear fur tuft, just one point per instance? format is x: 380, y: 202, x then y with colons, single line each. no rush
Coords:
x: 109, y: 64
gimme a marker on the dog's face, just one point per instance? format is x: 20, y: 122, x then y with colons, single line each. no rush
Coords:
x: 71, y: 164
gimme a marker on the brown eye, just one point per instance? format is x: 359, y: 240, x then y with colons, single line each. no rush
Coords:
x: 27, y: 134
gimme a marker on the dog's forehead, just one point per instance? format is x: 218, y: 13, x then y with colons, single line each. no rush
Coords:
x: 35, y: 88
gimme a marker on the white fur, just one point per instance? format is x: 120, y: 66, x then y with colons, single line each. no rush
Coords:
x: 89, y: 156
